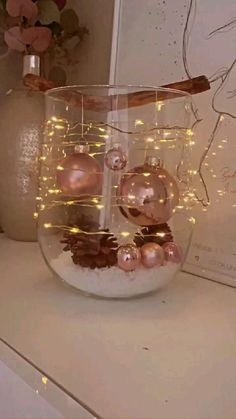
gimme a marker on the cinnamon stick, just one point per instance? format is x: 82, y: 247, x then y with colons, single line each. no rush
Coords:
x: 122, y: 101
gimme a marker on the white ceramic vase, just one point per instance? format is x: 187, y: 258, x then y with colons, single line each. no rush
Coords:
x: 21, y: 123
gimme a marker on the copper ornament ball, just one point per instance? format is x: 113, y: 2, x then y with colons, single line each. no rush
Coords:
x: 152, y: 255
x: 173, y: 252
x: 147, y: 195
x: 116, y: 158
x: 128, y: 257
x: 79, y: 174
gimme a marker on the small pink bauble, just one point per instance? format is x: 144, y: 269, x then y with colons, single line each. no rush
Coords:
x: 173, y: 252
x: 115, y: 158
x: 79, y: 174
x: 128, y: 257
x: 152, y: 255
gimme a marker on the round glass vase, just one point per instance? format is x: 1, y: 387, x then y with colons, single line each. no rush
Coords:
x: 114, y: 198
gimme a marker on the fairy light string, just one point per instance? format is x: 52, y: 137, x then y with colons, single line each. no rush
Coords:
x: 61, y: 138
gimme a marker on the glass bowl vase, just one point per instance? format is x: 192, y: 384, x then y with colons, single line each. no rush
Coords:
x: 115, y: 193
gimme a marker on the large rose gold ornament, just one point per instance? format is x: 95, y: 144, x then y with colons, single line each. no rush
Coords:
x: 79, y: 174
x: 148, y: 194
x: 152, y: 255
x: 128, y: 257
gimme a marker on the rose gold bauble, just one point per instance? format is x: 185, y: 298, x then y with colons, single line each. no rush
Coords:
x: 147, y: 195
x: 128, y: 257
x: 79, y: 174
x: 152, y: 255
x: 115, y: 158
x: 173, y: 252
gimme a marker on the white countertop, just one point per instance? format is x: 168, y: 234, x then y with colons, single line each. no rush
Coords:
x: 26, y: 393
x: 172, y: 355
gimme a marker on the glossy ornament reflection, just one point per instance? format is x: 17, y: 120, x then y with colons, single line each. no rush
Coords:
x: 152, y: 255
x: 173, y: 252
x: 116, y: 158
x: 79, y: 174
x: 148, y: 194
x: 128, y: 257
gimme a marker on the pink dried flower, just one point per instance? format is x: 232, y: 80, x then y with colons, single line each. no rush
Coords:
x: 13, y: 39
x: 24, y: 8
x: 39, y: 37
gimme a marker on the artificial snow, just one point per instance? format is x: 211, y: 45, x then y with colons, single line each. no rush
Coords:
x: 113, y: 282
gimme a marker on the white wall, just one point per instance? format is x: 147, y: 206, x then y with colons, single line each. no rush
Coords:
x: 94, y: 52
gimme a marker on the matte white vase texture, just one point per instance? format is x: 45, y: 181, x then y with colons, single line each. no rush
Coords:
x: 21, y: 124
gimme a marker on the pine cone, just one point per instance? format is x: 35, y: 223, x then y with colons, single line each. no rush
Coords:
x: 98, y: 250
x: 154, y: 234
